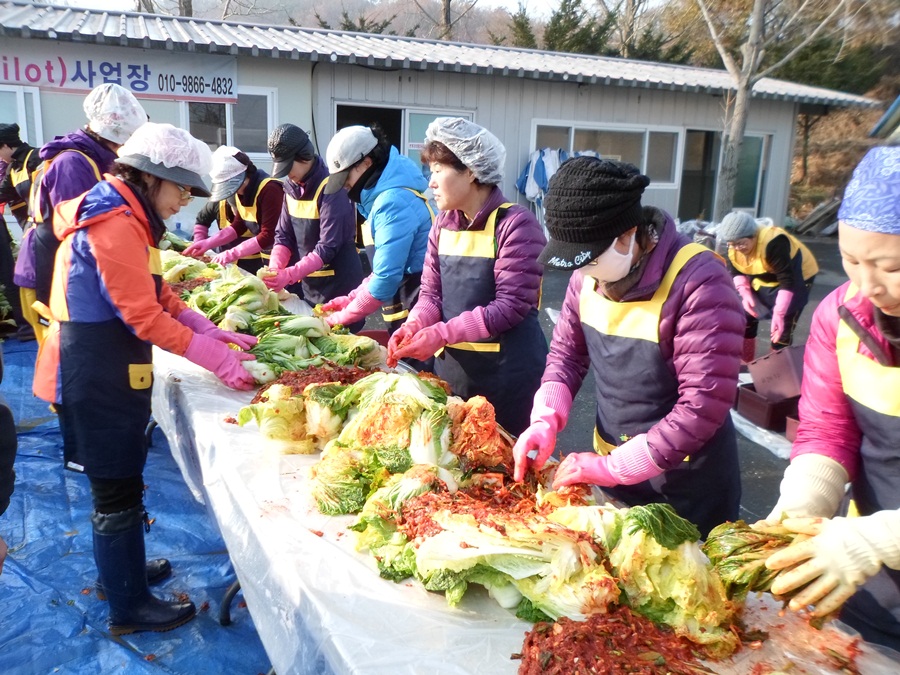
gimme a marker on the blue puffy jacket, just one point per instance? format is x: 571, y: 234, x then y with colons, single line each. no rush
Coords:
x: 399, y: 221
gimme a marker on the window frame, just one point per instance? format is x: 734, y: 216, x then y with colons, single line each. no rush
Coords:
x: 37, y: 134
x: 271, y: 95
x: 645, y: 129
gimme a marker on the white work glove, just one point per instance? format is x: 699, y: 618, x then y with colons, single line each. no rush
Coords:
x: 813, y: 485
x: 841, y: 555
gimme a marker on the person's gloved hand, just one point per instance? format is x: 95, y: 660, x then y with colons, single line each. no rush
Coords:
x: 336, y: 304
x: 198, y: 248
x: 813, y: 485
x: 583, y: 467
x: 467, y: 327
x: 748, y: 300
x: 200, y: 324
x: 280, y: 257
x: 631, y: 462
x: 779, y: 313
x: 841, y: 555
x: 216, y: 356
x: 310, y: 263
x: 201, y: 232
x: 549, y: 414
x: 249, y: 247
x: 357, y: 309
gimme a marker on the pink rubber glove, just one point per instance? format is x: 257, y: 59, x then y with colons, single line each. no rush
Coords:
x: 200, y: 324
x: 281, y: 256
x: 358, y: 308
x: 632, y: 463
x: 249, y: 247
x: 583, y: 467
x: 310, y: 263
x: 216, y: 356
x: 198, y: 248
x: 549, y: 414
x: 423, y: 314
x: 467, y: 327
x: 201, y: 232
x: 748, y: 300
x: 340, y: 302
x: 782, y: 301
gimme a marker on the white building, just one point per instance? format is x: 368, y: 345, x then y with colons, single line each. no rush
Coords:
x: 232, y: 82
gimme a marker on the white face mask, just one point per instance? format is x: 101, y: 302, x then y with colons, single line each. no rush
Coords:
x: 611, y: 265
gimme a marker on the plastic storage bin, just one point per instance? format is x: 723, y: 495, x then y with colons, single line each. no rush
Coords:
x: 777, y: 375
x: 762, y: 412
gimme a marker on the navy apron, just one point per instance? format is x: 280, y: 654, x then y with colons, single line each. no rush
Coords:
x: 342, y: 274
x: 506, y: 369
x: 872, y: 391
x: 250, y: 263
x: 106, y: 377
x: 635, y: 389
x: 394, y: 313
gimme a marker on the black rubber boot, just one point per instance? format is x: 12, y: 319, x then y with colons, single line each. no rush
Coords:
x: 119, y: 553
x: 157, y: 570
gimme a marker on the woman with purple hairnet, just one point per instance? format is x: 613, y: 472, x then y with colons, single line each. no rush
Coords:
x: 850, y: 424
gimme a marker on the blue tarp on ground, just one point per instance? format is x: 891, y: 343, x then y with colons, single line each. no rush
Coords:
x: 50, y: 620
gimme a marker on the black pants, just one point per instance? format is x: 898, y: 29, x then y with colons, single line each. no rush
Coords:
x: 112, y: 495
x: 765, y: 296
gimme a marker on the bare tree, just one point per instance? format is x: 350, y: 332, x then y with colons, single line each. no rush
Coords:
x: 445, y: 21
x: 762, y: 24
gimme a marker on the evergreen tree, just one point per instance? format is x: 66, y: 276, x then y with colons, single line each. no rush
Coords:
x: 521, y: 32
x: 572, y: 29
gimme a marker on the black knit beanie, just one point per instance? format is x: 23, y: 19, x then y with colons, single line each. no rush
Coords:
x: 589, y: 203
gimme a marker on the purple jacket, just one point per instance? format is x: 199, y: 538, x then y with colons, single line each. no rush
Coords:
x: 517, y: 273
x: 337, y: 216
x: 71, y: 175
x: 700, y: 336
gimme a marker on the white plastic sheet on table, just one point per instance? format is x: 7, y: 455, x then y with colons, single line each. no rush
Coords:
x: 318, y: 605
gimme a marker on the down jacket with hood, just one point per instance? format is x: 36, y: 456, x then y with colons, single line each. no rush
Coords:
x: 399, y: 222
x: 700, y: 335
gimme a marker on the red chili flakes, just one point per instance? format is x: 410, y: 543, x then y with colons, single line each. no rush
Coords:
x: 205, y: 606
x: 318, y: 533
x: 615, y: 643
x: 242, y: 604
x: 87, y: 591
x: 150, y: 657
x: 230, y: 420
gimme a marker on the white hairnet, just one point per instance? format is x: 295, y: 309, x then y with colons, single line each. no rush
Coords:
x: 113, y: 112
x: 475, y: 146
x: 170, y: 147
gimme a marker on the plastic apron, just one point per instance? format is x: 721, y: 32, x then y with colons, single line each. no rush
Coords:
x: 872, y: 390
x: 505, y: 369
x: 636, y: 388
x: 343, y: 273
x: 37, y: 253
x: 254, y: 261
x: 106, y: 379
x: 394, y: 313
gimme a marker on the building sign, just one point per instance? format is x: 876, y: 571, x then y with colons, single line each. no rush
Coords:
x: 66, y: 67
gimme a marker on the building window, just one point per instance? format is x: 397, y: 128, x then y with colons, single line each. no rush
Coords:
x: 22, y: 106
x: 752, y: 169
x: 245, y: 125
x: 653, y: 151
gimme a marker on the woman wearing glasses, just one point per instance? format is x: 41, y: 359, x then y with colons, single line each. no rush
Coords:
x: 109, y: 307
